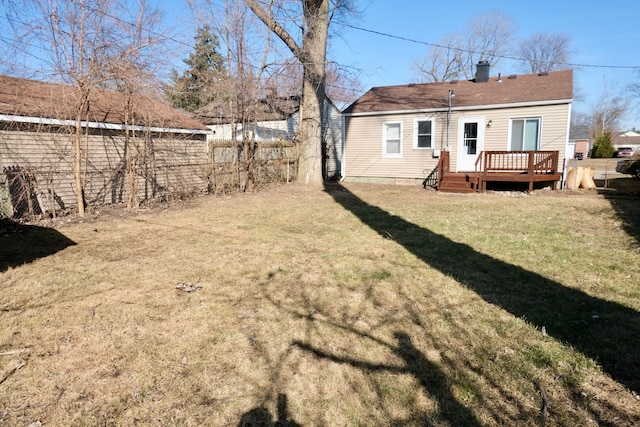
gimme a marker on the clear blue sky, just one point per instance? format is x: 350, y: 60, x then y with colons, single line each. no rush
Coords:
x: 605, y: 35
x: 605, y: 38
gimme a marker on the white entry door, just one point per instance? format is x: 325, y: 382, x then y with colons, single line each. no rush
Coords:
x: 470, y: 142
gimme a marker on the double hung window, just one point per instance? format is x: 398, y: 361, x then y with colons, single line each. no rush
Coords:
x: 392, y: 139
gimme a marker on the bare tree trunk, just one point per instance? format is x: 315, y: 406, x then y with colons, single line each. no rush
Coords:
x: 314, y: 42
x: 312, y: 55
x: 77, y: 145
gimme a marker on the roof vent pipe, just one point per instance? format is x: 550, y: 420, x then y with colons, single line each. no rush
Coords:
x: 482, y: 72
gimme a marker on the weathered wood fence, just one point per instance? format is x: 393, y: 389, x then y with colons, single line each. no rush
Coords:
x: 233, y: 164
x: 37, y: 175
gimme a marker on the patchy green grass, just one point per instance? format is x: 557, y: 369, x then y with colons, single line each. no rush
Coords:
x: 356, y: 305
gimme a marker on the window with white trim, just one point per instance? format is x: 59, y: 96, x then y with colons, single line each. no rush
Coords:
x: 423, y: 133
x: 392, y: 139
x: 525, y: 134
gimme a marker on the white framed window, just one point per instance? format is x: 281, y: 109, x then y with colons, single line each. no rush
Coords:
x: 392, y: 139
x: 423, y: 136
x: 525, y: 134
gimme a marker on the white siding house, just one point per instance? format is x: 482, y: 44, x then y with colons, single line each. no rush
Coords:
x: 395, y: 134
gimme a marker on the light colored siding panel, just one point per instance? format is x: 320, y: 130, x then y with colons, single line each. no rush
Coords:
x: 553, y: 130
x: 332, y: 133
x: 363, y: 139
x: 363, y: 149
x: 553, y: 136
x: 169, y: 165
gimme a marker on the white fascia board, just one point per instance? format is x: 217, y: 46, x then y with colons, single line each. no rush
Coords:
x: 463, y: 108
x: 98, y: 125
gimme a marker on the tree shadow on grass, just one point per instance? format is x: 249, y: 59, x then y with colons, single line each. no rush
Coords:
x: 605, y: 331
x: 261, y: 417
x: 21, y: 244
x: 428, y: 374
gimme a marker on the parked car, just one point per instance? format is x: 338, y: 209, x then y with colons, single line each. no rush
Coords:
x: 624, y: 152
x: 629, y: 166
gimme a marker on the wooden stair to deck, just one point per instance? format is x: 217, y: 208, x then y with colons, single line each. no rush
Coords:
x: 458, y: 182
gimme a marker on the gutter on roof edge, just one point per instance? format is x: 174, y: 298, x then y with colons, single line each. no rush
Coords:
x: 463, y: 108
x: 99, y: 125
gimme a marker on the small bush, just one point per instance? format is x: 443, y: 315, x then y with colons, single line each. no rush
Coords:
x: 603, y: 147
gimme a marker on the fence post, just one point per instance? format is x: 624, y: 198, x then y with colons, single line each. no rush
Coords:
x: 5, y: 201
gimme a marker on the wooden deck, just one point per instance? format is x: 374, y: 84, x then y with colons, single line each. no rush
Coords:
x: 501, y: 166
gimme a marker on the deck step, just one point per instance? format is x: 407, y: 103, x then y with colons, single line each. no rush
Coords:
x: 458, y: 183
x: 456, y: 188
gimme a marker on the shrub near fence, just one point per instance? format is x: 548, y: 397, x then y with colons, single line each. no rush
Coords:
x: 273, y: 162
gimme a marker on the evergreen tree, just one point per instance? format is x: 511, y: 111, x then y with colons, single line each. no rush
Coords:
x: 196, y: 86
x: 603, y: 147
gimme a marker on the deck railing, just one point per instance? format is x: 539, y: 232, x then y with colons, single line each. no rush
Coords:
x: 526, y: 162
x: 443, y: 166
x: 530, y: 165
x: 506, y: 166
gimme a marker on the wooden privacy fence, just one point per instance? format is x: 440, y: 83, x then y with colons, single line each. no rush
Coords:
x: 37, y: 175
x: 267, y: 162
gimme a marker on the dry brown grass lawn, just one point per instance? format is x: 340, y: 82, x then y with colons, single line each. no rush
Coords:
x: 360, y: 306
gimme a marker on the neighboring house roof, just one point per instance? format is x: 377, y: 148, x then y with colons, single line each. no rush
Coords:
x: 33, y: 101
x: 271, y: 108
x: 632, y: 132
x: 579, y: 132
x: 625, y: 138
x: 525, y: 89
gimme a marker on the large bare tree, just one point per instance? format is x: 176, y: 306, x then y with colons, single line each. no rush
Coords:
x: 342, y: 83
x: 76, y: 32
x: 131, y: 71
x: 609, y: 110
x: 442, y: 63
x: 634, y: 92
x: 88, y: 46
x: 312, y: 54
x: 235, y: 92
x: 544, y: 52
x: 486, y: 37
